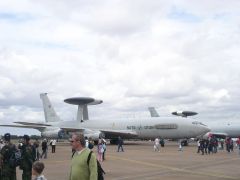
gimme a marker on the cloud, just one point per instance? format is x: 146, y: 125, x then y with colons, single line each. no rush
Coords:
x: 172, y: 55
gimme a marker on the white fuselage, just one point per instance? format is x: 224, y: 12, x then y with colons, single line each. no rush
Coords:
x: 164, y: 127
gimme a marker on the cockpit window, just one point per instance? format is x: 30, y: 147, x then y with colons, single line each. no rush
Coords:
x: 198, y: 123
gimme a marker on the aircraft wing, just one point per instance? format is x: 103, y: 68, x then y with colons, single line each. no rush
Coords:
x: 72, y: 129
x: 31, y: 123
x: 109, y: 134
x: 125, y: 134
x: 36, y: 125
x: 40, y: 128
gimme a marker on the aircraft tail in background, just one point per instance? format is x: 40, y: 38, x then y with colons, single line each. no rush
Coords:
x: 49, y: 112
x: 153, y: 112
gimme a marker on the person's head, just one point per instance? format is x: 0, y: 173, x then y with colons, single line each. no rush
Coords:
x: 7, y: 137
x: 26, y: 138
x: 37, y: 168
x: 77, y: 141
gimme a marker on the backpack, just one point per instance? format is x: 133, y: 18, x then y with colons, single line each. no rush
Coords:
x: 15, y: 158
x: 100, y: 170
x: 90, y: 145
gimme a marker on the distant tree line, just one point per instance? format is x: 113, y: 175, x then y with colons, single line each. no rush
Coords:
x: 20, y: 137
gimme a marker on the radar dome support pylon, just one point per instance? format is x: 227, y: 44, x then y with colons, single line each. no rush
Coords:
x: 82, y: 102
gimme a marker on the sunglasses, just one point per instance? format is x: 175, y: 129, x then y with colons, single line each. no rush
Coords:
x: 71, y: 141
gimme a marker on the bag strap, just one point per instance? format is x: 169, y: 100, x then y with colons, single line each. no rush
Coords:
x: 89, y: 157
x: 73, y: 153
x: 98, y: 164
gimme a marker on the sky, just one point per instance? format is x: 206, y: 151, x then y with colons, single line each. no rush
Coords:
x: 174, y: 55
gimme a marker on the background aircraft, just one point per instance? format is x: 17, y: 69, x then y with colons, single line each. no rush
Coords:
x: 223, y: 130
x: 219, y: 130
x: 154, y: 113
x: 136, y: 128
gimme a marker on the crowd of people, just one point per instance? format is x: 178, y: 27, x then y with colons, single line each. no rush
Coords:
x: 85, y: 164
x: 212, y: 144
x: 25, y: 155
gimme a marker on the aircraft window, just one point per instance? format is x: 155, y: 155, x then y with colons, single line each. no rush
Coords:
x: 166, y: 126
x: 131, y: 127
x: 203, y: 124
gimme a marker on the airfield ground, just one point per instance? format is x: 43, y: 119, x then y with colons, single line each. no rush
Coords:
x: 139, y: 161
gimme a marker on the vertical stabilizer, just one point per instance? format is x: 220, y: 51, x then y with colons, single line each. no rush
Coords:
x: 49, y: 112
x: 153, y: 112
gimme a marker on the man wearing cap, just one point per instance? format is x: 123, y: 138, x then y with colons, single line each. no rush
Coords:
x: 28, y: 152
x: 7, y: 171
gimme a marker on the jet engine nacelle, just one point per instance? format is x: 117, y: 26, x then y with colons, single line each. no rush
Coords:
x: 184, y: 113
x: 94, y: 135
x: 53, y: 133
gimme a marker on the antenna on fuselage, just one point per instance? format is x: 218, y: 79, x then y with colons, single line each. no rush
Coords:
x: 82, y: 102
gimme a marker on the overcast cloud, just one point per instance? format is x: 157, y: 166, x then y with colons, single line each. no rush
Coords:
x: 174, y: 55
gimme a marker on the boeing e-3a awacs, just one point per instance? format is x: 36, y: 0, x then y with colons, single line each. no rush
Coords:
x: 135, y: 128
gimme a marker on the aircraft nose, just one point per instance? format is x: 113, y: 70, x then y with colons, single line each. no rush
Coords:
x: 205, y: 129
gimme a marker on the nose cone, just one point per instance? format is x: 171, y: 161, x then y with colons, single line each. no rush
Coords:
x: 204, y: 129
x: 200, y: 130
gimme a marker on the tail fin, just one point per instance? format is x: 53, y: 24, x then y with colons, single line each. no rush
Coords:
x: 49, y: 112
x: 153, y: 112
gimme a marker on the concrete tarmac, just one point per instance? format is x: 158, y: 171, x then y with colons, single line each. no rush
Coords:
x: 139, y: 161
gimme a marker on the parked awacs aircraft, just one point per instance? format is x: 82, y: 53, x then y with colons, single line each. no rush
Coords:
x: 137, y: 128
x: 154, y: 113
x: 219, y: 130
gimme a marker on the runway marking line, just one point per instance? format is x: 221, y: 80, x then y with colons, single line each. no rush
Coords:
x: 174, y: 168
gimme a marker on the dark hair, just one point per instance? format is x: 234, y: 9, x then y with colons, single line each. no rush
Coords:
x: 38, y: 166
x: 7, y: 137
x: 26, y: 137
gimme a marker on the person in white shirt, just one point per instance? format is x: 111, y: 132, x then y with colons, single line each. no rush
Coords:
x: 157, y: 145
x: 180, y: 145
x: 53, y: 145
x: 86, y: 142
